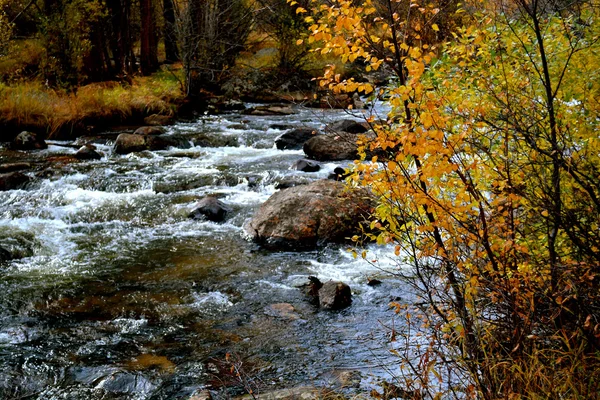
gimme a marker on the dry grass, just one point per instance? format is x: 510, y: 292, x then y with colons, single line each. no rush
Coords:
x: 31, y: 105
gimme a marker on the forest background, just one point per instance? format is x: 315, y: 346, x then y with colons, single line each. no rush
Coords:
x: 485, y: 170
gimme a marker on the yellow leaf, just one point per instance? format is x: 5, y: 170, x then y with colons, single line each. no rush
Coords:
x: 299, y: 42
x: 435, y: 27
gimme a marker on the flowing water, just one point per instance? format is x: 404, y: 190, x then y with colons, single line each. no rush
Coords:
x: 125, y: 297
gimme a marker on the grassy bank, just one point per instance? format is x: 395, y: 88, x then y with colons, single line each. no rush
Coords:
x: 55, y: 113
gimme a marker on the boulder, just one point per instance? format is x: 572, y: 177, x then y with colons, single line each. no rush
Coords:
x: 87, y: 152
x: 149, y: 131
x: 289, y: 182
x: 347, y: 125
x: 158, y: 120
x: 332, y: 147
x: 210, y: 208
x: 272, y: 109
x: 13, y: 180
x: 304, y: 217
x: 306, y: 166
x: 129, y: 143
x: 28, y: 141
x: 294, y: 139
x: 335, y: 296
x: 214, y: 140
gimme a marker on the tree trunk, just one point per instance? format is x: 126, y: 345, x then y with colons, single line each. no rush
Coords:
x: 148, y: 38
x: 169, y: 33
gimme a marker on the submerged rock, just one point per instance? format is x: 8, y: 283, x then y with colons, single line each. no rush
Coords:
x: 335, y: 296
x: 28, y: 141
x: 303, y: 217
x: 210, y: 208
x: 13, y: 180
x: 283, y: 311
x: 295, y: 138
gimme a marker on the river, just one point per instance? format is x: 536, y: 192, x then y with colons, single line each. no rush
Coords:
x: 125, y: 297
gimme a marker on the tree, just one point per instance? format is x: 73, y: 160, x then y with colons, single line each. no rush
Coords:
x: 213, y: 32
x: 170, y: 32
x: 487, y: 186
x: 148, y: 38
x: 5, y: 28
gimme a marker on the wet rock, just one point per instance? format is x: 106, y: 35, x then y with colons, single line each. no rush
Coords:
x: 13, y: 180
x: 126, y: 383
x: 149, y: 131
x: 373, y: 282
x: 130, y: 143
x: 280, y: 127
x: 17, y: 166
x: 335, y: 296
x: 87, y: 152
x: 347, y: 125
x: 28, y: 141
x: 127, y: 143
x: 306, y: 166
x: 273, y: 109
x: 294, y: 139
x: 306, y: 216
x: 332, y: 147
x: 282, y: 310
x: 210, y: 208
x: 158, y: 120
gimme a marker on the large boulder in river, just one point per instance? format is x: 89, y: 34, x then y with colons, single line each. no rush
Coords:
x: 210, y: 208
x: 303, y: 217
x: 306, y: 166
x: 149, y: 131
x: 28, y: 141
x: 13, y: 180
x: 294, y: 139
x: 87, y: 152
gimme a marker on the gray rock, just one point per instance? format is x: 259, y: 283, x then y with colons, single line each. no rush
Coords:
x: 17, y: 166
x: 129, y: 143
x: 306, y: 216
x: 273, y: 109
x: 335, y: 295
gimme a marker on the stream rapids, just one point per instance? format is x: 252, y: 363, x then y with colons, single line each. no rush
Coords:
x: 125, y: 297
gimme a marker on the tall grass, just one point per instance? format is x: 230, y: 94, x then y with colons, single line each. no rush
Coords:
x: 31, y: 105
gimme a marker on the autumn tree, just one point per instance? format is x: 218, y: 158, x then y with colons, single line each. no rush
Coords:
x: 487, y: 186
x: 148, y: 38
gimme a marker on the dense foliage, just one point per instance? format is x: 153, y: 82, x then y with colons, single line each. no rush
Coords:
x: 487, y: 180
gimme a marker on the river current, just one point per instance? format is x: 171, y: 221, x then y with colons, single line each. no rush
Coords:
x: 125, y: 297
